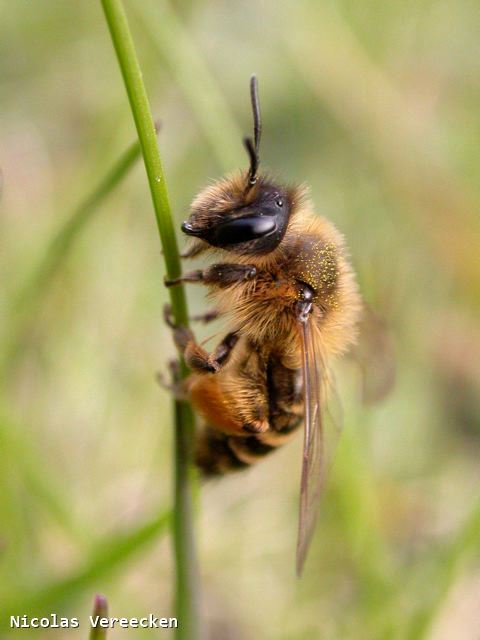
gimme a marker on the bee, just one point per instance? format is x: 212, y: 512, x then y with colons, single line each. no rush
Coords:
x: 281, y: 278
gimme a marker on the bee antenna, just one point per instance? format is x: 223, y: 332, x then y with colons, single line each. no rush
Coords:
x: 253, y: 146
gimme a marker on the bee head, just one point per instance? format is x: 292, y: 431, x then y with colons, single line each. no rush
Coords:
x: 246, y: 213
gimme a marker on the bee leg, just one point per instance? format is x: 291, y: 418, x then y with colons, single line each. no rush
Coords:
x: 251, y: 406
x: 241, y: 413
x: 225, y: 275
x: 193, y: 252
x: 221, y: 275
x: 256, y: 426
x: 195, y: 356
x: 254, y: 414
x: 285, y: 397
x: 176, y: 386
x: 190, y: 276
x: 273, y: 403
x: 207, y: 317
x: 199, y: 360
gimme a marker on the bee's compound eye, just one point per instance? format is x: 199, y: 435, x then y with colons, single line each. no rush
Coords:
x: 242, y: 230
x: 279, y: 202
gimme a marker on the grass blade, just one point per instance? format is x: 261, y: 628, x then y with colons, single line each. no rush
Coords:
x: 186, y: 566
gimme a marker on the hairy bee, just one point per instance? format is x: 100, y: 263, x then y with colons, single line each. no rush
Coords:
x: 282, y: 280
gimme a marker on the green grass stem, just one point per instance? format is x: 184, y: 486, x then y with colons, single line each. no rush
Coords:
x: 186, y: 566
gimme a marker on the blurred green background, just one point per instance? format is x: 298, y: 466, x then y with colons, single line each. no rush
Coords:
x: 377, y: 107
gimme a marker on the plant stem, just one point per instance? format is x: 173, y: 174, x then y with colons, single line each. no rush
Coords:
x: 132, y: 77
x: 186, y: 566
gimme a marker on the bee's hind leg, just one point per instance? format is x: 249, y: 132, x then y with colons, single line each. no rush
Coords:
x: 195, y: 356
x: 176, y: 386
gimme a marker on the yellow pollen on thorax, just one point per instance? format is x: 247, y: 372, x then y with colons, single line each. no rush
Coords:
x: 319, y: 269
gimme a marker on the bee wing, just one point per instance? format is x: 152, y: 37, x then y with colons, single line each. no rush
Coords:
x: 374, y: 354
x: 321, y: 428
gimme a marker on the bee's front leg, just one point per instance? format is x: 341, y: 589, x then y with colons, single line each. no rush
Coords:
x: 193, y: 250
x: 196, y: 357
x: 221, y: 275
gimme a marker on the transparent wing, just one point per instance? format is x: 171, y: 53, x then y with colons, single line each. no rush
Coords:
x: 375, y: 356
x: 321, y: 430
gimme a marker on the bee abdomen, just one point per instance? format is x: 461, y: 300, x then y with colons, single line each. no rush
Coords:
x: 218, y: 453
